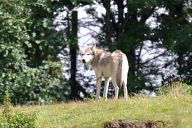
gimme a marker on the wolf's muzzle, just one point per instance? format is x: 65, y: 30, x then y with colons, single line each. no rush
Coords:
x: 83, y: 60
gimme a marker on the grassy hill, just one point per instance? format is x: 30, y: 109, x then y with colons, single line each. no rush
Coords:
x: 175, y: 108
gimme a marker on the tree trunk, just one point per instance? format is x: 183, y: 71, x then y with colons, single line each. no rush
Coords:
x: 108, y: 30
x: 73, y: 57
x: 120, y: 7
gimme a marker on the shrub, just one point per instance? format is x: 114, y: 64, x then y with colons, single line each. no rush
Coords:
x: 175, y: 88
x: 15, y: 120
x: 21, y: 120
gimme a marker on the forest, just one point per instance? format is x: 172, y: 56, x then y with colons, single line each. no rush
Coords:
x: 156, y: 36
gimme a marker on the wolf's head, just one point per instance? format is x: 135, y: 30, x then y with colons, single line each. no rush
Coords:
x: 88, y: 54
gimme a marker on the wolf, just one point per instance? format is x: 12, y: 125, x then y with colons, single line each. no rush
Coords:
x: 110, y: 66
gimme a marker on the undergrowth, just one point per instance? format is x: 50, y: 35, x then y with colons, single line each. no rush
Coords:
x: 10, y: 119
x: 175, y: 88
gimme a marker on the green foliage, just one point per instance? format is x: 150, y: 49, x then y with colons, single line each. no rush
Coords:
x: 32, y: 85
x: 29, y: 46
x: 8, y: 119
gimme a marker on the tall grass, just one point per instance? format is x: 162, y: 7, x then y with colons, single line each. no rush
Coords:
x: 174, y: 107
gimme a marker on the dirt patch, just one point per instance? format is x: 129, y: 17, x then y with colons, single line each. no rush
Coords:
x: 137, y: 124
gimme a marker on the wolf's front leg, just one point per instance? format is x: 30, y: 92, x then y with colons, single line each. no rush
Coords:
x: 98, y: 85
x: 107, y: 79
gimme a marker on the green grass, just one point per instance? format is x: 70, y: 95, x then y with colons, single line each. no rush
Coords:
x: 173, y: 108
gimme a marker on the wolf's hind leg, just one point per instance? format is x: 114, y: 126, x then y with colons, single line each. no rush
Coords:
x: 116, y: 88
x: 125, y: 91
x: 107, y: 79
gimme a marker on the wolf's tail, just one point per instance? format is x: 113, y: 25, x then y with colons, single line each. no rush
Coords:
x: 123, y: 69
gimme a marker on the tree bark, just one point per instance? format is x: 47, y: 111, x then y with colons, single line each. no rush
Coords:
x: 120, y: 7
x: 106, y: 4
x: 73, y: 57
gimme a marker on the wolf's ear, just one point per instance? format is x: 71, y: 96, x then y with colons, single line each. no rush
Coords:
x: 94, y: 46
x: 81, y: 50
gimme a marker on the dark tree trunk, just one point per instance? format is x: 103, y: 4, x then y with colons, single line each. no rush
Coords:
x: 73, y: 57
x: 108, y: 30
x: 120, y: 7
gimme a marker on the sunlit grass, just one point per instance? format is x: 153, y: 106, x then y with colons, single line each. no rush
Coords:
x: 175, y: 108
